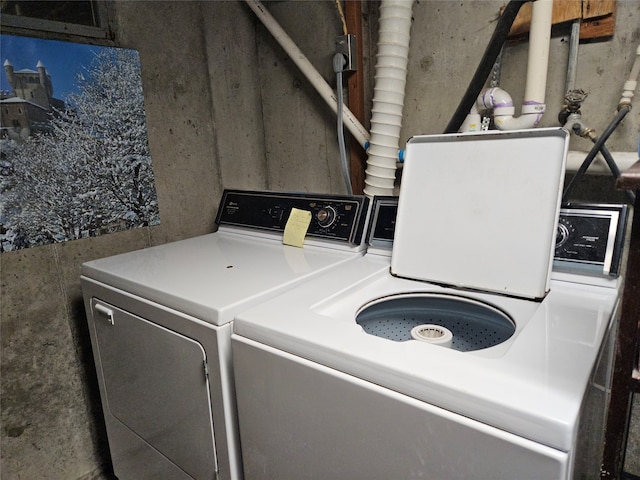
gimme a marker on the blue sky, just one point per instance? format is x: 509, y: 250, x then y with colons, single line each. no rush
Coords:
x: 62, y: 60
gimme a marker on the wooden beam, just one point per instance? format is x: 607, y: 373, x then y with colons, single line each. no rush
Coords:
x: 627, y: 342
x: 563, y: 11
x: 601, y: 27
x: 597, y: 8
x: 597, y: 17
x: 355, y: 82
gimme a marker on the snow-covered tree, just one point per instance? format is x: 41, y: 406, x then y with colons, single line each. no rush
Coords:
x: 89, y: 174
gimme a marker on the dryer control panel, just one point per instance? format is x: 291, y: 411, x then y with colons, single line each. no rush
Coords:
x: 333, y: 217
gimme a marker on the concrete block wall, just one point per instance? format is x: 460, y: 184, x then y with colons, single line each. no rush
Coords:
x: 226, y: 108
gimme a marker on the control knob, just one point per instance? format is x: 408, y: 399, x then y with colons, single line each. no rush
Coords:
x: 326, y: 216
x: 565, y: 230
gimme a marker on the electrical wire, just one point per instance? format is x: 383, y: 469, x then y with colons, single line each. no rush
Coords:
x: 338, y: 66
x: 342, y: 17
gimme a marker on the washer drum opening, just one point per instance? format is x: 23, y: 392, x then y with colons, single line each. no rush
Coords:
x: 474, y: 325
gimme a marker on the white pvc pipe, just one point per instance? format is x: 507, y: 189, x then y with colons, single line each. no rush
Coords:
x: 632, y: 83
x: 533, y: 107
x: 309, y: 71
x: 538, y: 56
x: 624, y: 160
x: 499, y: 101
x: 388, y: 97
x: 537, y: 64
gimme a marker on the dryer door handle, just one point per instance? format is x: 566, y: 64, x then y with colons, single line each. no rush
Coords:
x: 104, y: 312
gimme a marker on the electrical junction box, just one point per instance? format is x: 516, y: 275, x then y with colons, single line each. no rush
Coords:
x: 346, y: 45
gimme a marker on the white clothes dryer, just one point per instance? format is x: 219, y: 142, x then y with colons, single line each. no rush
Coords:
x: 331, y: 383
x: 160, y: 326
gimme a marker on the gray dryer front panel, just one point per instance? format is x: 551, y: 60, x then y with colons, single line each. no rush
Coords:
x: 157, y: 386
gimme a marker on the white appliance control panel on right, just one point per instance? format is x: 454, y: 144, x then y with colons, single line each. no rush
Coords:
x: 590, y: 239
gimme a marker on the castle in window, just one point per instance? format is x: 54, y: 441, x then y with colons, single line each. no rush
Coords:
x: 29, y: 105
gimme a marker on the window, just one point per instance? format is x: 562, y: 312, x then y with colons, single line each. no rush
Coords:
x: 83, y: 13
x: 65, y: 19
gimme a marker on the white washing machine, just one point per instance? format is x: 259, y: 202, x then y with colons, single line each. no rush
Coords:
x: 160, y: 325
x: 334, y: 380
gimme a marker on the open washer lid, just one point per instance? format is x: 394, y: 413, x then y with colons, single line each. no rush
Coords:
x: 480, y: 210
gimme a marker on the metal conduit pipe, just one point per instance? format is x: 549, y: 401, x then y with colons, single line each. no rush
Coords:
x: 388, y: 97
x: 572, y: 63
x: 326, y: 92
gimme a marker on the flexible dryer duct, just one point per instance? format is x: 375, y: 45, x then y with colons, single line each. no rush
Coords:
x: 388, y: 96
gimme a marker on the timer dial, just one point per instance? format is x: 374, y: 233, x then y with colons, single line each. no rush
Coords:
x: 565, y: 230
x: 326, y: 216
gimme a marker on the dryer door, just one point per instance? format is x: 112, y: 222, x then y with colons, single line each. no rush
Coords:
x: 156, y: 384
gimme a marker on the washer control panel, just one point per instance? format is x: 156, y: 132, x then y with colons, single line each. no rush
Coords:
x: 382, y: 224
x: 590, y: 238
x: 333, y: 217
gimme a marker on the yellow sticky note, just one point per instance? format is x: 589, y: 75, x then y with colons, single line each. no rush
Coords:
x: 296, y: 227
